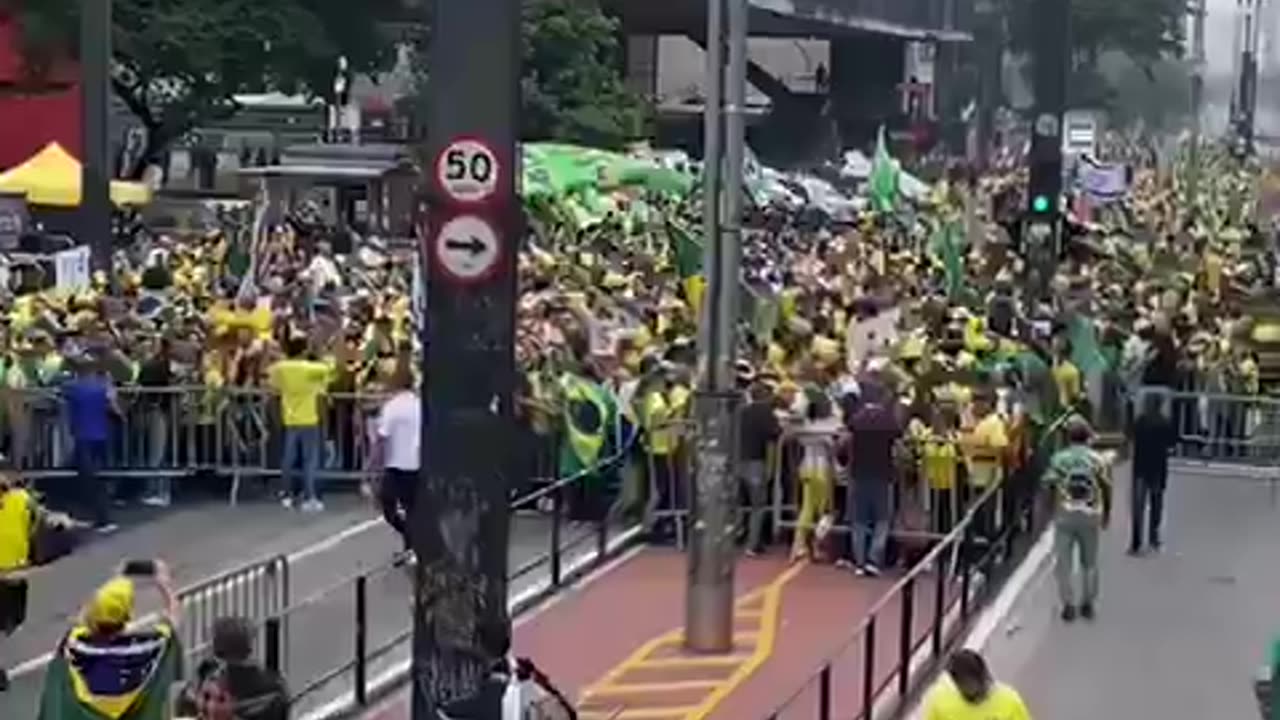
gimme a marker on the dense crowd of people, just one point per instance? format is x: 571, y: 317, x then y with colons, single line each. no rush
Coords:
x: 904, y: 357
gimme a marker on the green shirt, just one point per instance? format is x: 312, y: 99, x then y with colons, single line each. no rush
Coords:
x: 1077, y: 475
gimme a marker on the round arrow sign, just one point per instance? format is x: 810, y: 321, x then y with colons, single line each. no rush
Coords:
x: 466, y: 248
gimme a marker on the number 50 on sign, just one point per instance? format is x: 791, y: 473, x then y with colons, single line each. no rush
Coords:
x: 467, y: 171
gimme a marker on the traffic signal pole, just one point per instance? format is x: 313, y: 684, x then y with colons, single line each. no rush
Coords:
x: 1050, y: 68
x: 470, y: 238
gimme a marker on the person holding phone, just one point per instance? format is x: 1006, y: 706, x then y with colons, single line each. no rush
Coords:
x: 104, y: 663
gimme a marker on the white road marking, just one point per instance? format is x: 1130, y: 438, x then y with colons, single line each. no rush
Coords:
x: 389, y: 678
x: 37, y: 663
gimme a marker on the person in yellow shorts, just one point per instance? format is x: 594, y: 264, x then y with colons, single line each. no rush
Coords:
x: 817, y: 438
x: 969, y: 692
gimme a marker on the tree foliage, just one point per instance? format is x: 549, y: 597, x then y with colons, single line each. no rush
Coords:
x: 1145, y: 30
x: 573, y: 83
x: 572, y: 86
x: 178, y: 64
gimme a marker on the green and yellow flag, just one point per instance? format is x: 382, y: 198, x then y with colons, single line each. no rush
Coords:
x: 125, y: 677
x: 686, y: 253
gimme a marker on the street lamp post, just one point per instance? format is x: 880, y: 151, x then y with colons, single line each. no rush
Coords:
x: 712, y: 551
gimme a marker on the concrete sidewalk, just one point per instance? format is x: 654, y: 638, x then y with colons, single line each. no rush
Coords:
x: 1179, y: 635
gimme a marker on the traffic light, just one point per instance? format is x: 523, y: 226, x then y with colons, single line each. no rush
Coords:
x: 1044, y: 186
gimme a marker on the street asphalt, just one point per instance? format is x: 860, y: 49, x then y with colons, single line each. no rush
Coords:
x: 1179, y: 634
x: 326, y: 550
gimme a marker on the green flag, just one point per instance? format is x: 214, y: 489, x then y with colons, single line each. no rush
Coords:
x: 686, y: 253
x: 883, y: 181
x: 125, y: 678
x: 947, y: 247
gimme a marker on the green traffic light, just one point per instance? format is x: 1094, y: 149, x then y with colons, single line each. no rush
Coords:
x: 1040, y: 204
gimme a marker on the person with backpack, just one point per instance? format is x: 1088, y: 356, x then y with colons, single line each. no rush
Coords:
x: 1079, y: 482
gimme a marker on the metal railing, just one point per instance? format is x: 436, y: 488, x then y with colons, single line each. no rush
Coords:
x: 902, y: 640
x: 1221, y: 427
x: 367, y: 617
x: 258, y: 592
x: 180, y: 431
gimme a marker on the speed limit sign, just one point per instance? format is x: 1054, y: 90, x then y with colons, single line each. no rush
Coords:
x: 467, y: 171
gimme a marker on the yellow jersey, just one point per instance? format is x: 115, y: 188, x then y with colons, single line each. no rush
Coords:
x: 945, y: 702
x: 986, y: 444
x: 1066, y: 376
x: 16, y: 510
x: 300, y: 383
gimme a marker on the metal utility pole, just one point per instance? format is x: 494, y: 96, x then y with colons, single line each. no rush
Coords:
x: 1247, y: 105
x: 1197, y: 98
x: 95, y: 94
x: 988, y: 51
x: 712, y: 551
x: 471, y: 235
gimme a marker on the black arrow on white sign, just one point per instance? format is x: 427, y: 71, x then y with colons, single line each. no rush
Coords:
x: 473, y: 246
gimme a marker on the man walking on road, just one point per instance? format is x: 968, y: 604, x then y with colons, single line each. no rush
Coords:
x: 1079, y: 480
x: 1153, y: 436
x: 399, y: 435
x: 969, y: 692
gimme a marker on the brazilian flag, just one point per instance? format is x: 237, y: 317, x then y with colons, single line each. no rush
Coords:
x: 590, y: 417
x: 687, y: 257
x: 124, y: 677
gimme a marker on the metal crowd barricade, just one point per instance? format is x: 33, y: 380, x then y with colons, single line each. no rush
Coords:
x: 181, y: 431
x: 1221, y: 427
x: 919, y: 511
x: 256, y: 592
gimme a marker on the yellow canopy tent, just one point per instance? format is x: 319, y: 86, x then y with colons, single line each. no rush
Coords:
x: 52, y: 177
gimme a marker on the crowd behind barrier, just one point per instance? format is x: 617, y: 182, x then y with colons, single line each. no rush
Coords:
x: 927, y: 612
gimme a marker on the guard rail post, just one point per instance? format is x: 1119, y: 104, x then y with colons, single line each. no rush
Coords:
x: 557, y: 517
x: 868, y: 670
x: 939, y: 604
x: 907, y: 614
x: 824, y: 693
x: 271, y: 645
x: 602, y: 535
x: 362, y: 631
x: 965, y: 564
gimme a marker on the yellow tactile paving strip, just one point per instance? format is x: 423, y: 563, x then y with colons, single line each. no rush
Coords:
x: 659, y: 682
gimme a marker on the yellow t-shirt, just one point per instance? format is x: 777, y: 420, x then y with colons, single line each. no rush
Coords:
x: 300, y: 384
x: 945, y: 702
x: 825, y: 350
x: 986, y: 444
x: 656, y: 419
x: 1067, y: 377
x: 15, y: 529
x: 938, y: 458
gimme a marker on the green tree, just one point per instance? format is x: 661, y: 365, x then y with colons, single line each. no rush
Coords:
x: 572, y: 88
x: 573, y: 84
x: 177, y: 64
x: 1145, y: 30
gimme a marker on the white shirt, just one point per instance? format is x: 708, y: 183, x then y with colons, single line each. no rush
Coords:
x: 400, y: 427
